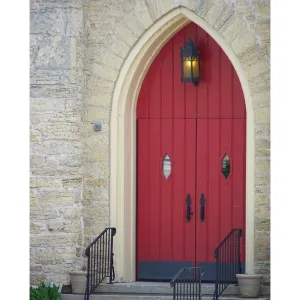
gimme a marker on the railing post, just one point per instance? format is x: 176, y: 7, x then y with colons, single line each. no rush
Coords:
x: 87, y: 287
x: 239, y: 253
x: 111, y: 270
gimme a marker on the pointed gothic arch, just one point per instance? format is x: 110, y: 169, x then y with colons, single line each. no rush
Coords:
x: 123, y: 136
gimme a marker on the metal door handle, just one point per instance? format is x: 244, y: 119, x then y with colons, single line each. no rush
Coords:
x: 188, y: 207
x: 202, y: 205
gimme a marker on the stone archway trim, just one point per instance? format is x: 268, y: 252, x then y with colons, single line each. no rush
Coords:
x: 123, y: 137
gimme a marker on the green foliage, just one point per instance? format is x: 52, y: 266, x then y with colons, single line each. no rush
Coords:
x: 45, y: 292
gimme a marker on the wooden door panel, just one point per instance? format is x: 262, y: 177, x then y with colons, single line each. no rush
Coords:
x: 225, y: 197
x: 166, y: 241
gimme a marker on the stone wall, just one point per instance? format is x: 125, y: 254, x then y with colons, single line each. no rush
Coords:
x: 77, y: 51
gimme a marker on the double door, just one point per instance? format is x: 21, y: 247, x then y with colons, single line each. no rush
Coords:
x: 190, y: 193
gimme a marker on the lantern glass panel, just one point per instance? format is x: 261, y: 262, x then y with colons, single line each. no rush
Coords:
x: 187, y: 67
x: 195, y: 65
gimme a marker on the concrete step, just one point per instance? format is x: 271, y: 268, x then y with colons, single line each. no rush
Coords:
x: 145, y: 297
x: 163, y: 288
x: 156, y: 291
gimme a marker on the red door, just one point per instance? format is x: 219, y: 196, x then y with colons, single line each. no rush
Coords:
x: 166, y: 175
x: 190, y: 146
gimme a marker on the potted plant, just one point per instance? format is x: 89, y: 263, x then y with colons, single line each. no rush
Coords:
x: 78, y: 280
x: 249, y: 284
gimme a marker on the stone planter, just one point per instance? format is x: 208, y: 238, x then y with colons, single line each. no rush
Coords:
x: 249, y: 284
x: 78, y: 281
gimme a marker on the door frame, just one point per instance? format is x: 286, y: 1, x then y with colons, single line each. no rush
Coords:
x: 123, y: 137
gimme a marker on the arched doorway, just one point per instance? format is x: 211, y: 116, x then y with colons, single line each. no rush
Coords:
x: 191, y: 153
x: 123, y: 137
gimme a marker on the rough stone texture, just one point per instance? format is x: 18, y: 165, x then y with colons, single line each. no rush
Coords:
x: 77, y: 49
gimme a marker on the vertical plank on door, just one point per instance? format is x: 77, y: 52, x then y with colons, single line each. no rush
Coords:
x: 166, y: 195
x: 167, y: 102
x: 226, y: 202
x: 226, y: 111
x: 183, y: 173
x: 178, y: 99
x: 202, y: 188
x: 154, y: 189
x: 143, y: 178
x: 155, y: 89
x: 214, y: 80
x: 213, y: 196
x: 190, y: 89
x: 238, y: 178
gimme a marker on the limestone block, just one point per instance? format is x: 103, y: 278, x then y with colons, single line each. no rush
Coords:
x: 70, y: 160
x: 96, y: 182
x: 262, y: 255
x: 262, y: 147
x: 37, y: 278
x: 262, y: 214
x: 95, y: 193
x: 57, y: 52
x: 64, y: 226
x: 237, y: 28
x: 204, y: 6
x: 262, y: 132
x: 141, y: 13
x: 261, y: 99
x: 50, y: 21
x: 34, y: 46
x: 262, y: 115
x: 104, y: 71
x: 262, y: 183
x: 225, y: 20
x: 99, y: 85
x: 101, y: 100
x: 260, y: 83
x: 55, y: 255
x: 53, y: 240
x: 37, y: 161
x: 37, y: 227
x: 155, y: 9
x: 243, y: 42
x: 118, y: 47
x: 97, y: 155
x: 262, y: 199
x: 62, y: 91
x: 57, y: 131
x: 134, y: 24
x: 46, y: 104
x: 92, y: 114
x: 75, y: 182
x: 53, y: 117
x: 40, y: 77
x: 192, y: 4
x: 36, y: 91
x: 104, y: 56
x: 56, y: 171
x: 260, y: 67
x: 61, y: 196
x: 262, y: 29
x: 56, y: 147
x: 214, y: 13
x: 262, y: 166
x: 91, y: 170
x: 38, y: 182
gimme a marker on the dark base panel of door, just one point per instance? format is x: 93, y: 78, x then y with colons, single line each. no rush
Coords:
x: 210, y: 271
x: 160, y: 270
x: 166, y: 270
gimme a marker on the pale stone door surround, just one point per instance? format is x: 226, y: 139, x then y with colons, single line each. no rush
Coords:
x: 123, y: 135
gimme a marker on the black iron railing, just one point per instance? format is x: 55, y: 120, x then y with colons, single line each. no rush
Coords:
x: 100, y: 261
x: 228, y: 261
x: 187, y: 284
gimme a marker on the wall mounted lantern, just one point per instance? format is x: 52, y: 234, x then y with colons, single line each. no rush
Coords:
x: 190, y: 63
